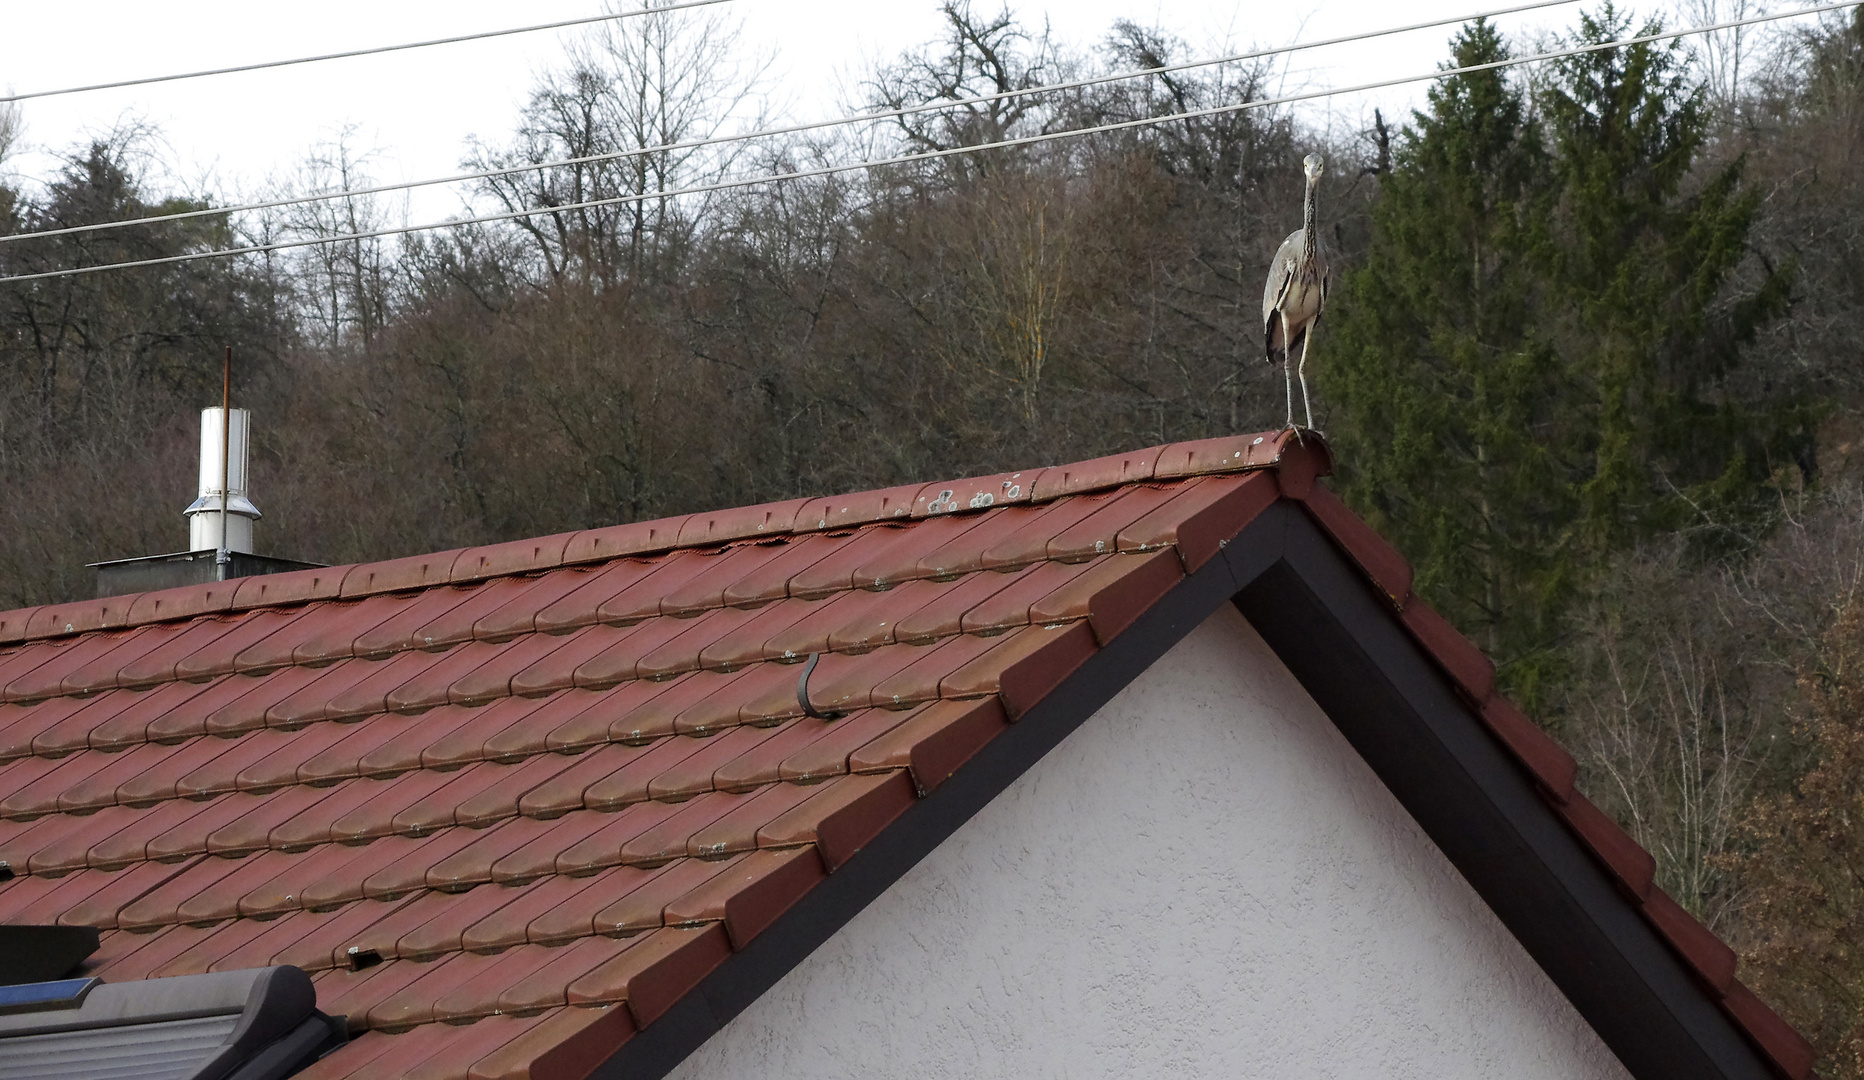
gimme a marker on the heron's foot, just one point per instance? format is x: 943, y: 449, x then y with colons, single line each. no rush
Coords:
x: 1297, y: 429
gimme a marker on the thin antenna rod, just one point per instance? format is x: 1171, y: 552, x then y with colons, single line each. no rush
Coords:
x: 223, y: 556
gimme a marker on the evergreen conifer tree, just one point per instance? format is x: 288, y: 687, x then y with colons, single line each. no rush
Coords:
x: 1529, y: 372
x: 1439, y: 391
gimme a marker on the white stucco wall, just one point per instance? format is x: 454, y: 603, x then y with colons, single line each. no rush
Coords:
x: 1204, y: 880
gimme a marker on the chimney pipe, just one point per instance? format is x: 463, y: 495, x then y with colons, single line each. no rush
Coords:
x: 205, y: 514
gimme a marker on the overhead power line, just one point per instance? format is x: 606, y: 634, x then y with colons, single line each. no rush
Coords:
x: 932, y: 155
x: 455, y: 40
x: 765, y: 133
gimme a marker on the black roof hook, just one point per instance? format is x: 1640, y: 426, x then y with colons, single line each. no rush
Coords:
x: 802, y: 691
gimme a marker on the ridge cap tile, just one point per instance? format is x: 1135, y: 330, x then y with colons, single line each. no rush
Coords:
x: 510, y: 557
x: 617, y: 541
x: 289, y: 587
x: 1096, y: 474
x: 399, y: 575
x: 976, y: 493
x: 759, y: 522
x: 830, y: 512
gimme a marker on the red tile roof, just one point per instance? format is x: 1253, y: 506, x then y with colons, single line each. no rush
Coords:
x: 508, y: 804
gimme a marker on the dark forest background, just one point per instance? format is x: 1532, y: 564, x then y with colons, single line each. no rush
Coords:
x: 1592, y: 361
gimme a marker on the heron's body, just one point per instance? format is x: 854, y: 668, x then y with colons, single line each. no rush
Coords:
x: 1296, y: 291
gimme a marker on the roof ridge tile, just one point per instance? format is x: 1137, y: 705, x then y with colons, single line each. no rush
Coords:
x: 906, y: 502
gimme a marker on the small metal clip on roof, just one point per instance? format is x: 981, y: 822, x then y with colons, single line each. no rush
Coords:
x: 802, y: 691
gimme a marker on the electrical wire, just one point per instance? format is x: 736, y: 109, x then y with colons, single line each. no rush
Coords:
x: 932, y: 155
x: 263, y: 65
x: 790, y: 129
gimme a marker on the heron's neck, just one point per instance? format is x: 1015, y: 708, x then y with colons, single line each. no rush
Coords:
x: 1310, y: 220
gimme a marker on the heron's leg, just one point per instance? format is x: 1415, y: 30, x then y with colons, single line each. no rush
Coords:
x: 1305, y: 339
x: 1287, y: 376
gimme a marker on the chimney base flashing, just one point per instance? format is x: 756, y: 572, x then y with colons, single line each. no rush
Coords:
x: 151, y: 573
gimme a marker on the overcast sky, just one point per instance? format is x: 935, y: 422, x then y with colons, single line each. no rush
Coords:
x: 415, y: 110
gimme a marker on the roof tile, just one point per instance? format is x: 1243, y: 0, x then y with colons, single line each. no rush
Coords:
x: 567, y: 1044
x: 1467, y: 666
x: 1098, y: 533
x: 636, y: 538
x: 57, y: 620
x: 456, y: 624
x: 563, y: 792
x: 1377, y: 559
x: 609, y: 833
x: 655, y: 971
x: 644, y: 908
x: 1227, y: 453
x: 692, y: 775
x: 736, y: 831
x: 933, y: 742
x: 1098, y: 474
x: 706, y: 589
x: 252, y: 831
x: 49, y: 728
x: 1111, y: 593
x: 13, y: 624
x: 1009, y: 607
x: 395, y: 575
x: 354, y: 993
x: 1629, y: 863
x: 297, y: 872
x: 188, y: 834
x: 857, y: 508
x: 107, y: 893
x: 977, y: 493
x: 101, y: 673
x: 1202, y: 517
x: 752, y: 894
x: 771, y: 581
x: 332, y: 636
x: 741, y: 523
x: 843, y: 816
x: 519, y: 614
x: 1547, y: 760
x: 1793, y: 1055
x: 828, y: 755
x: 576, y: 917
x: 558, y: 892
x: 202, y: 650
x: 548, y: 989
x: 1024, y: 667
x: 131, y: 725
x: 1712, y: 960
x: 515, y: 557
x: 667, y: 839
x: 461, y: 1050
x: 44, y: 680
x: 182, y: 603
x: 290, y: 587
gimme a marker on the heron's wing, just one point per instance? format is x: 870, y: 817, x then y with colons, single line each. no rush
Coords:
x: 1275, y: 289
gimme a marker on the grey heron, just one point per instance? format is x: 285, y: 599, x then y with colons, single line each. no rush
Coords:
x: 1296, y: 291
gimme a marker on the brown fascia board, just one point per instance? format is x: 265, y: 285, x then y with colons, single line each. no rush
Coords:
x: 1485, y: 805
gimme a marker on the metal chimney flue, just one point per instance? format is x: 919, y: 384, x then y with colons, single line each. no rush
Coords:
x: 220, y: 519
x: 227, y: 507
